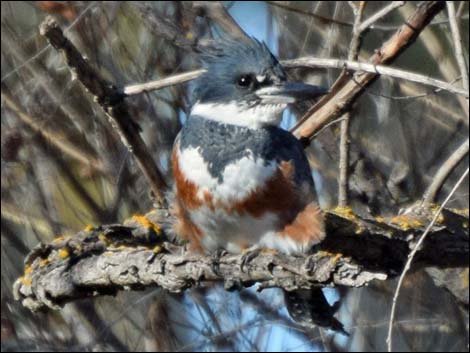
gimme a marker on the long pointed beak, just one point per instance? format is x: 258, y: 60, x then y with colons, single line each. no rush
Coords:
x: 289, y: 92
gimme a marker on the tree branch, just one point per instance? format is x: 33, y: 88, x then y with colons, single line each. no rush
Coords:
x: 412, y: 256
x: 366, y: 24
x: 454, y: 27
x: 343, y: 184
x: 348, y: 88
x: 111, y: 100
x: 55, y: 138
x: 444, y: 171
x: 144, y: 252
x: 310, y: 62
x: 162, y: 83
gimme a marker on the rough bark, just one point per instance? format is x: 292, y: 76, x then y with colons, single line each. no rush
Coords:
x: 144, y: 252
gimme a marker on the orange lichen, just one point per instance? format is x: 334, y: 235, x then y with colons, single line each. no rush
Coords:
x: 103, y: 238
x: 25, y: 280
x: 345, y: 212
x: 434, y: 209
x: 359, y: 230
x: 157, y: 249
x: 461, y: 211
x: 28, y: 269
x: 63, y: 253
x: 336, y: 257
x: 88, y: 228
x: 380, y: 219
x: 58, y: 238
x: 464, y: 277
x: 406, y: 222
x: 44, y: 262
x: 144, y: 221
x: 329, y: 253
x: 269, y: 251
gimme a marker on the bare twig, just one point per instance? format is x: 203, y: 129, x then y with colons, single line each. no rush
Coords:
x: 380, y: 14
x: 111, y: 100
x: 415, y: 96
x: 343, y: 183
x: 413, y: 254
x: 460, y: 9
x: 346, y: 90
x: 43, y: 50
x: 343, y: 189
x: 314, y: 62
x: 53, y: 137
x: 328, y: 20
x: 216, y: 11
x: 162, y: 83
x: 454, y: 27
x: 444, y: 171
x: 140, y: 253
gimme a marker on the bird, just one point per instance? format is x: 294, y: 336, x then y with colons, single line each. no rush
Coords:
x: 242, y: 183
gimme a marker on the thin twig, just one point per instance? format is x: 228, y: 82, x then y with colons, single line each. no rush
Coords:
x: 43, y: 50
x: 457, y: 38
x: 380, y: 14
x: 314, y: 62
x: 343, y: 184
x: 216, y: 11
x: 343, y: 189
x: 286, y: 6
x: 112, y: 101
x: 460, y: 9
x: 56, y: 139
x: 415, y: 96
x: 412, y: 255
x: 162, y: 83
x: 444, y: 171
x: 328, y: 20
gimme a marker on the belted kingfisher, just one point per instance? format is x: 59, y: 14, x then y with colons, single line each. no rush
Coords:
x: 241, y: 182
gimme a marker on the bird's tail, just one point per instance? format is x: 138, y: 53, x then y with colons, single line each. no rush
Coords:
x: 309, y: 308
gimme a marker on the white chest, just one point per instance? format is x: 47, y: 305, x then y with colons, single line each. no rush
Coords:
x: 238, y: 178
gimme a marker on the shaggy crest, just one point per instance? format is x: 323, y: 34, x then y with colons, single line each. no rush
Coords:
x: 226, y: 61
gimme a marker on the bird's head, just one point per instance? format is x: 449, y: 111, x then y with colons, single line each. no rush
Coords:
x: 245, y: 85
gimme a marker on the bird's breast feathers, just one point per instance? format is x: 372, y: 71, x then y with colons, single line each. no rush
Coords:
x: 232, y: 197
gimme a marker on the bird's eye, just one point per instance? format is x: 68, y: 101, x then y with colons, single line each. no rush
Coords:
x: 244, y: 81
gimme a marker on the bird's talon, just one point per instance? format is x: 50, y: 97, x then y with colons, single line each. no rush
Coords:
x: 247, y: 256
x: 215, y: 265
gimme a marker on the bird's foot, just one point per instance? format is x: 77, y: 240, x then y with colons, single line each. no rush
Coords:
x: 252, y: 252
x: 215, y: 265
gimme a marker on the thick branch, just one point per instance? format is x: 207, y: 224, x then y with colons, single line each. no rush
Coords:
x: 111, y: 99
x: 138, y: 254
